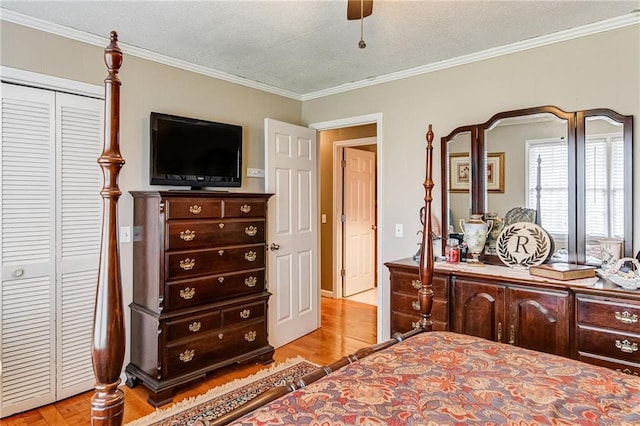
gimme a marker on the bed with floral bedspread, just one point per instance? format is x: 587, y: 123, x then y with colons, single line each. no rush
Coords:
x: 438, y: 378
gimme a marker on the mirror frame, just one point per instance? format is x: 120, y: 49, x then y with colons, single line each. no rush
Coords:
x: 576, y: 139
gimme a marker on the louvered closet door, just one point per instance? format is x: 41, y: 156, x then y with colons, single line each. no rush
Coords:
x: 79, y: 179
x: 49, y: 248
x: 28, y: 248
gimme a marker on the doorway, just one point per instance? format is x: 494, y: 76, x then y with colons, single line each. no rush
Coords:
x: 348, y: 129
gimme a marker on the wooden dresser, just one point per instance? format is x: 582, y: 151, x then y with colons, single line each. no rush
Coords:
x: 199, y: 295
x: 597, y: 323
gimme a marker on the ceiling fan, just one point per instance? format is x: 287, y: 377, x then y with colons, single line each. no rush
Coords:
x: 359, y: 9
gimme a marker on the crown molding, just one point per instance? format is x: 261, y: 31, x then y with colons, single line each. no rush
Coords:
x: 586, y: 30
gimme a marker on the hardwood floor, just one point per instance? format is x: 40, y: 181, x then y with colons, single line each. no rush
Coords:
x: 346, y: 326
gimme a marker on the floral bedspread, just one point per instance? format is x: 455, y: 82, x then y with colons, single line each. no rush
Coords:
x: 442, y: 378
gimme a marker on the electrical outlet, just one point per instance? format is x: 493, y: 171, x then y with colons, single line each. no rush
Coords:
x: 259, y: 173
x: 399, y: 230
x: 125, y: 234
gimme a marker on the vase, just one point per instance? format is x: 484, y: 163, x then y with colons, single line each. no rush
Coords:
x: 492, y: 236
x: 475, y: 235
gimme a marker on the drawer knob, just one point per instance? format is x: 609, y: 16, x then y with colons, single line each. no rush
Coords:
x: 187, y: 355
x: 220, y: 336
x: 250, y: 336
x: 245, y: 314
x: 245, y: 208
x: 251, y: 256
x: 187, y: 264
x: 626, y: 346
x: 415, y: 305
x: 626, y: 317
x: 187, y: 235
x: 195, y: 209
x: 195, y: 326
x: 220, y: 280
x: 221, y: 225
x: 251, y: 231
x: 188, y: 293
x: 416, y: 284
x: 220, y: 252
x: 250, y: 281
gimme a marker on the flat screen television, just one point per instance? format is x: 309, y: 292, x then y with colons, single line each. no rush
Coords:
x: 193, y: 152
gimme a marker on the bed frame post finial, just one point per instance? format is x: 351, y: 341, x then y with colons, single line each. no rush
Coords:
x: 425, y: 294
x: 107, y: 353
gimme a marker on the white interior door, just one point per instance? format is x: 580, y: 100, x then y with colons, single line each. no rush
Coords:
x: 359, y: 221
x: 292, y: 234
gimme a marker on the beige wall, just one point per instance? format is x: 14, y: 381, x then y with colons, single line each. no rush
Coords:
x: 326, y: 140
x: 600, y: 70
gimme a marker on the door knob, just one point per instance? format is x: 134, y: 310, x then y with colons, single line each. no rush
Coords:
x: 274, y: 246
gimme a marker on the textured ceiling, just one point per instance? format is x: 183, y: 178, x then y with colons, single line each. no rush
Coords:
x: 309, y: 46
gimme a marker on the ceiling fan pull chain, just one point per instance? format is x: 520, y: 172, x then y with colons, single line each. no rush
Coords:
x: 361, y: 43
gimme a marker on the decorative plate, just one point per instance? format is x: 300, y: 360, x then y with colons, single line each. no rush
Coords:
x: 523, y: 244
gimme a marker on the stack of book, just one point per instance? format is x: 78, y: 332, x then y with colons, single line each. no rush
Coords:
x: 562, y: 271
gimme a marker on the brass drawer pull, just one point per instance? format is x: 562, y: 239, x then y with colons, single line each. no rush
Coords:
x: 500, y: 331
x: 188, y: 293
x: 245, y: 314
x: 187, y: 264
x: 187, y: 235
x: 251, y: 256
x: 195, y: 326
x: 415, y: 304
x: 250, y: 281
x: 220, y: 252
x: 415, y: 325
x: 512, y: 334
x: 626, y: 346
x: 626, y: 317
x: 221, y: 225
x: 416, y: 284
x: 251, y: 231
x: 627, y: 371
x: 187, y: 355
x: 220, y: 280
x: 195, y: 209
x: 250, y: 336
x: 245, y: 208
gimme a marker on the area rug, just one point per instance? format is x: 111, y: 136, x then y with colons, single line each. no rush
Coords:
x: 224, y: 398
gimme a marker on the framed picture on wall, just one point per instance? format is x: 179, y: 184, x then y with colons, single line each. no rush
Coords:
x: 495, y: 172
x: 460, y: 172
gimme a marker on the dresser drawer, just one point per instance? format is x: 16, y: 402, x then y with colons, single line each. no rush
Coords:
x: 189, y: 235
x: 192, y: 326
x: 410, y: 305
x: 193, y: 208
x: 619, y: 346
x: 627, y: 368
x: 245, y: 208
x: 208, y: 349
x: 189, y: 264
x: 244, y: 313
x: 410, y: 284
x: 197, y: 291
x: 618, y: 314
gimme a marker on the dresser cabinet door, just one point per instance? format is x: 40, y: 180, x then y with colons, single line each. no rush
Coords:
x: 538, y: 319
x: 478, y: 309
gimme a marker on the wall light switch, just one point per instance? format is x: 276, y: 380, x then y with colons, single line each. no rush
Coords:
x: 259, y: 173
x: 399, y: 230
x: 125, y: 234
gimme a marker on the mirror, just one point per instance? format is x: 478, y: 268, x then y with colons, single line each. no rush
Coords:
x: 569, y: 172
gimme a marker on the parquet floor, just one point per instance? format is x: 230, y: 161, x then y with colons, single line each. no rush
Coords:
x: 346, y: 326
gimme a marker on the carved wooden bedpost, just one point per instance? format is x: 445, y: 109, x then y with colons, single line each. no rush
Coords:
x: 425, y: 293
x: 107, y: 403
